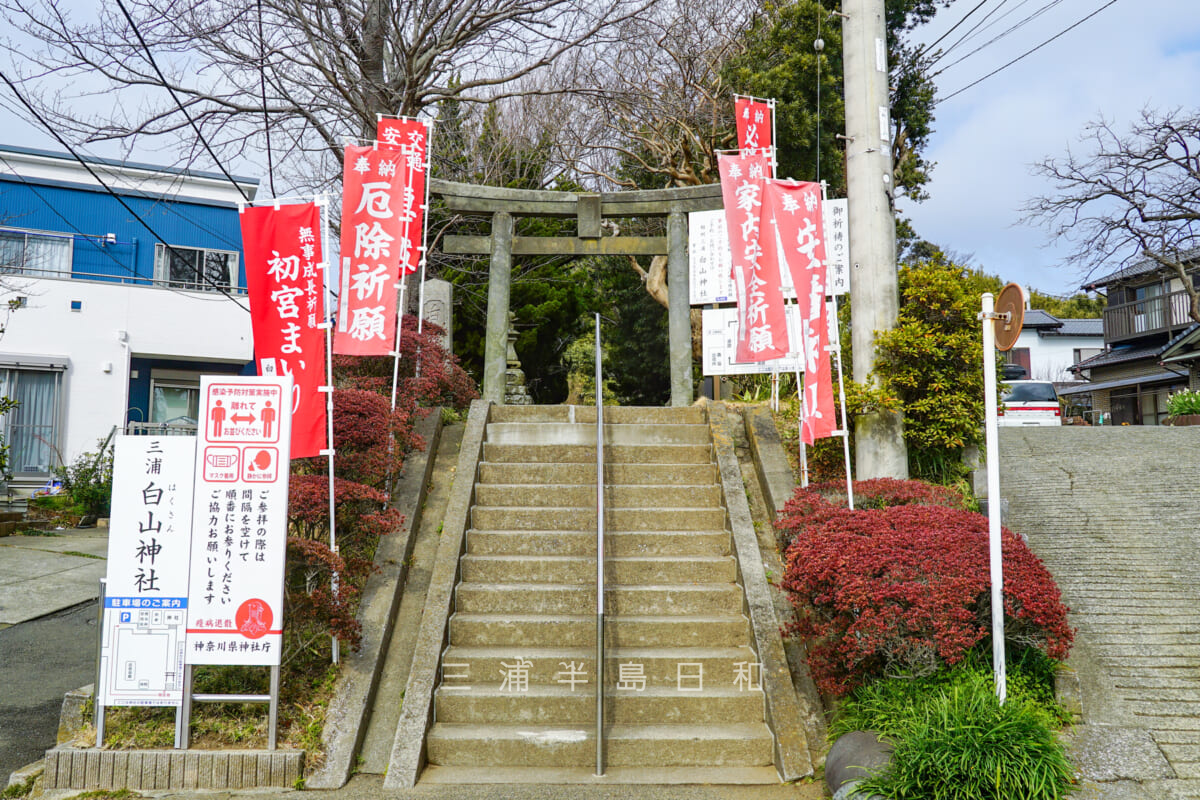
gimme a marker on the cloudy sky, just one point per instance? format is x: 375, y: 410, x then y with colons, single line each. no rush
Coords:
x: 1130, y: 55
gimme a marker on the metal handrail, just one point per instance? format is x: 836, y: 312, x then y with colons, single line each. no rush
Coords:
x: 599, y: 560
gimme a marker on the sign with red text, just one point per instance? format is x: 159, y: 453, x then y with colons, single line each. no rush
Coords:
x: 755, y: 124
x: 411, y: 138
x: 719, y: 330
x: 372, y: 230
x: 793, y: 210
x: 762, y: 330
x: 283, y: 249
x: 145, y: 601
x: 239, y: 521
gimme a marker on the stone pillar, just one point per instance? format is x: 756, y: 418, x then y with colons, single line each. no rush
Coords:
x: 439, y: 309
x: 679, y: 319
x: 495, y: 348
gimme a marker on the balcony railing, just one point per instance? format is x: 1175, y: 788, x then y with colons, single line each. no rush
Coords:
x: 1166, y: 313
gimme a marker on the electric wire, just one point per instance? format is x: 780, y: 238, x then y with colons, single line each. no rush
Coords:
x: 977, y: 28
x: 178, y: 102
x: 953, y: 27
x: 999, y: 36
x: 1029, y: 52
x: 53, y: 132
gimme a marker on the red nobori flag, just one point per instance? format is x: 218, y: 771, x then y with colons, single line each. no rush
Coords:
x: 755, y: 127
x: 762, y: 326
x: 371, y: 234
x: 411, y: 138
x: 795, y: 209
x: 283, y: 247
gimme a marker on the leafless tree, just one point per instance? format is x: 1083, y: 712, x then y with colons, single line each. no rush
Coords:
x: 1133, y: 196
x: 311, y: 71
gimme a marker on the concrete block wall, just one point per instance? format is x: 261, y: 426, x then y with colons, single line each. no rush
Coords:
x: 148, y: 770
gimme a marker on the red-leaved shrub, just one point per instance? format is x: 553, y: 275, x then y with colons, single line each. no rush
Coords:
x: 907, y: 589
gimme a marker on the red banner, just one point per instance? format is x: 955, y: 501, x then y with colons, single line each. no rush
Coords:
x: 755, y: 124
x: 371, y: 228
x: 795, y: 209
x: 283, y: 247
x: 762, y: 326
x: 411, y: 138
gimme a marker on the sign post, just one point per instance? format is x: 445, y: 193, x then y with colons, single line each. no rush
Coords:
x: 1000, y: 332
x: 145, y: 599
x: 239, y: 530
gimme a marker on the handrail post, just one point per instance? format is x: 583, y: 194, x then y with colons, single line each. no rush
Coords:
x: 599, y: 560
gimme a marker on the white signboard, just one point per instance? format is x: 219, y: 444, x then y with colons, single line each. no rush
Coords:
x: 719, y: 339
x: 239, y: 529
x: 145, y: 604
x: 837, y: 247
x: 710, y: 278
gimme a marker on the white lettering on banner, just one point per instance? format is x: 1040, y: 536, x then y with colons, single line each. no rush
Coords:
x: 145, y: 606
x: 719, y: 327
x: 285, y: 301
x: 283, y: 269
x: 367, y: 323
x: 239, y: 530
x: 371, y: 241
x: 376, y: 199
x: 369, y: 282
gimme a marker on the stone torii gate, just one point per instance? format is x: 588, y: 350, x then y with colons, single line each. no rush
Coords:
x: 589, y: 210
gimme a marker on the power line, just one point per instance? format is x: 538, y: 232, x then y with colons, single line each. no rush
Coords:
x: 1028, y: 52
x: 998, y: 37
x: 53, y: 132
x: 975, y: 29
x: 178, y: 102
x: 937, y: 41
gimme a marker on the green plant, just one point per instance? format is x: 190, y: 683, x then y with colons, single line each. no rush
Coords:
x: 1183, y: 403
x: 955, y: 741
x: 22, y: 789
x: 88, y: 480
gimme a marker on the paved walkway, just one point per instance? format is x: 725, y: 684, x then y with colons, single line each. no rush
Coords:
x: 43, y: 574
x: 1115, y: 515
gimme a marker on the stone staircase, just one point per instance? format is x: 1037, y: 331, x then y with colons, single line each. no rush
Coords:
x: 517, y: 678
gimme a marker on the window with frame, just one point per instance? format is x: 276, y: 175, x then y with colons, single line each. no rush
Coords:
x: 174, y: 402
x: 195, y: 268
x: 32, y: 429
x: 37, y: 253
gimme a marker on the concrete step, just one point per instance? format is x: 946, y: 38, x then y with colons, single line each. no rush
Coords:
x: 661, y: 667
x: 613, y: 776
x: 559, y: 704
x: 565, y: 495
x: 529, y: 518
x: 553, y: 599
x: 586, y: 454
x: 626, y: 745
x: 559, y: 433
x: 585, y: 473
x: 580, y: 569
x: 613, y: 415
x: 583, y: 543
x: 579, y: 630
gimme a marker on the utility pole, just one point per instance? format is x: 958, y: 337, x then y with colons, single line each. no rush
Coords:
x: 875, y: 297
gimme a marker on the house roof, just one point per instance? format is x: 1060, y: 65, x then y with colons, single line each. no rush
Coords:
x: 1183, y: 346
x: 1078, y: 327
x: 1038, y: 319
x: 1144, y: 267
x: 1118, y: 356
x: 1092, y: 387
x: 134, y: 165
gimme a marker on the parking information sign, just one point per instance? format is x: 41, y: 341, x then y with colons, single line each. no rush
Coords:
x: 145, y: 604
x: 239, y: 523
x: 710, y: 279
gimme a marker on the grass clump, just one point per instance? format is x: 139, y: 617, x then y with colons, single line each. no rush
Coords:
x: 954, y: 741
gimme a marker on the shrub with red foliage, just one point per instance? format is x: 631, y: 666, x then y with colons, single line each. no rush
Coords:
x: 907, y: 589
x: 361, y: 420
x: 818, y: 501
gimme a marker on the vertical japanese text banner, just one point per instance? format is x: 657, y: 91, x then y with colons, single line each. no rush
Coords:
x: 796, y: 211
x: 370, y: 254
x: 762, y: 328
x: 145, y: 604
x: 754, y: 124
x: 239, y: 522
x: 283, y: 247
x: 411, y: 138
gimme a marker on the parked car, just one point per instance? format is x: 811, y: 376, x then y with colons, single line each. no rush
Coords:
x: 1030, y: 403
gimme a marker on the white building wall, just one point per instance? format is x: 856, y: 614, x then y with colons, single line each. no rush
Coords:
x: 1050, y: 357
x: 115, y: 323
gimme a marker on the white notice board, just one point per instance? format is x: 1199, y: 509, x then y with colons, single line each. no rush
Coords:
x: 145, y: 603
x: 719, y: 339
x: 837, y: 247
x: 239, y: 531
x: 710, y: 268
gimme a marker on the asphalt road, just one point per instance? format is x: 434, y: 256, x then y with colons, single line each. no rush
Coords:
x: 40, y: 661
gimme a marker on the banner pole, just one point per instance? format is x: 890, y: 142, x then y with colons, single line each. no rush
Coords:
x: 424, y: 244
x: 327, y: 323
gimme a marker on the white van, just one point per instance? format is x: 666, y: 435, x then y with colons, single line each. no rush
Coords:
x: 1029, y: 403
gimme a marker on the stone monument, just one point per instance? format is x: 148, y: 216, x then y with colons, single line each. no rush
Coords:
x: 515, y: 391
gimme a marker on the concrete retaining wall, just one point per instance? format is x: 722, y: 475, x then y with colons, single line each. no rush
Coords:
x: 171, y: 769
